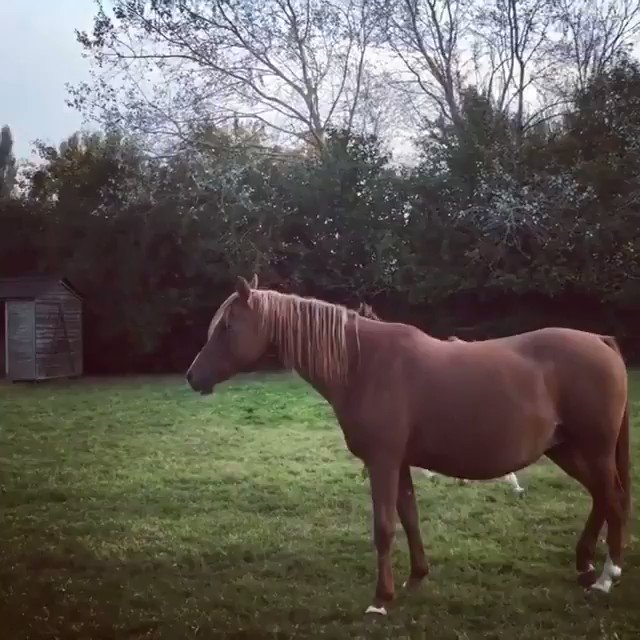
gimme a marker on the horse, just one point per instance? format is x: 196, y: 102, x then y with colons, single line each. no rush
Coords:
x: 476, y: 410
x: 366, y: 311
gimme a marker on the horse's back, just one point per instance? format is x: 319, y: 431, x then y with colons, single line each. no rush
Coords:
x: 566, y: 375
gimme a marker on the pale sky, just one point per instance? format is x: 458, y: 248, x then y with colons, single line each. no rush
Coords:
x: 39, y: 55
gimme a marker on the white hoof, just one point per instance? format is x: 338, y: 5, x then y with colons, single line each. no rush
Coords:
x: 381, y: 611
x: 519, y: 491
x: 612, y: 570
x: 602, y: 584
x: 615, y: 572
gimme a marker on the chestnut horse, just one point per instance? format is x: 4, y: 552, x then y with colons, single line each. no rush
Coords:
x: 476, y: 410
x: 366, y: 311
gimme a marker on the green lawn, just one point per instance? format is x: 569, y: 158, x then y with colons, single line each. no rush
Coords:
x: 133, y: 508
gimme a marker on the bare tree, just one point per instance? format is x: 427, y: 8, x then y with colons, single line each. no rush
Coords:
x: 294, y: 66
x: 528, y: 55
x: 593, y: 34
x: 427, y: 36
x: 505, y: 41
x: 513, y: 57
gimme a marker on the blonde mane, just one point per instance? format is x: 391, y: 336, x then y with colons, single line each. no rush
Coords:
x: 309, y: 334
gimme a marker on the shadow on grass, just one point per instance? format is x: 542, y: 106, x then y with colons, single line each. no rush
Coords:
x: 70, y: 592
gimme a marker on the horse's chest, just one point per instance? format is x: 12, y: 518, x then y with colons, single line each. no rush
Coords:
x: 367, y: 437
x: 356, y: 438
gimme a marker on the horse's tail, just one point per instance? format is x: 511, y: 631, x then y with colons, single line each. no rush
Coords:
x: 622, y: 446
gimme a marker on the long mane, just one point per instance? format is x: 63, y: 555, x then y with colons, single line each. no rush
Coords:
x: 310, y: 334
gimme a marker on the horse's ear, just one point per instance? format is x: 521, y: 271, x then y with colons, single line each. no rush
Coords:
x: 254, y: 281
x: 242, y: 288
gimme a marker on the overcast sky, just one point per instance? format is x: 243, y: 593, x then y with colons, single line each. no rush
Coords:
x: 39, y: 55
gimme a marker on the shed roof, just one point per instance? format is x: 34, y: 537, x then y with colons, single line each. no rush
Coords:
x: 31, y: 287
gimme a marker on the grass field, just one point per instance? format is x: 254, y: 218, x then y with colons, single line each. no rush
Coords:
x: 137, y: 509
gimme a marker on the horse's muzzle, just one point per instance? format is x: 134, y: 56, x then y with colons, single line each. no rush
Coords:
x: 202, y: 389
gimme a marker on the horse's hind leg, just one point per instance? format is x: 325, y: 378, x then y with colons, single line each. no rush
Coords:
x: 383, y: 476
x: 408, y: 512
x: 615, y: 517
x: 570, y: 460
x: 598, y: 475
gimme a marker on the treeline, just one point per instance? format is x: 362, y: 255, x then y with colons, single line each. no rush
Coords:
x: 494, y: 231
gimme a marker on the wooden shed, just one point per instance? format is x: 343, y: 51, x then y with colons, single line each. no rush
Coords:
x: 41, y: 332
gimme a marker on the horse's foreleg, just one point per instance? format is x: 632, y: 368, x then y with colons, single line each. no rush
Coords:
x: 408, y: 512
x: 383, y: 476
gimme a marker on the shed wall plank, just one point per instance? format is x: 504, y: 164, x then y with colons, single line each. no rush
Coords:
x: 59, y: 335
x: 20, y: 340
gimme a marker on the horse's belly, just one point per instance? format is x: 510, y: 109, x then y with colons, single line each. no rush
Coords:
x: 480, y: 450
x: 485, y: 420
x: 484, y: 470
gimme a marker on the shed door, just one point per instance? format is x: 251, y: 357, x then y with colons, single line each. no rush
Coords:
x: 20, y: 340
x: 54, y: 356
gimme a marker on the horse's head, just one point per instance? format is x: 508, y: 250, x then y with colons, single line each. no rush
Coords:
x: 236, y: 341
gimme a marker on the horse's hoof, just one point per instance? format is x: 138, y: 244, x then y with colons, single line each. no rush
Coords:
x: 381, y: 611
x: 413, y: 584
x: 415, y: 581
x: 519, y: 492
x: 612, y: 570
x: 605, y: 580
x: 602, y: 584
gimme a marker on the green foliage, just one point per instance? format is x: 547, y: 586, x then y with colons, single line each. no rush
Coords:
x: 495, y: 231
x: 339, y: 235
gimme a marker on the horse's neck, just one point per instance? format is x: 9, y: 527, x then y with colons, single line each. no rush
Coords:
x: 331, y: 390
x: 324, y: 389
